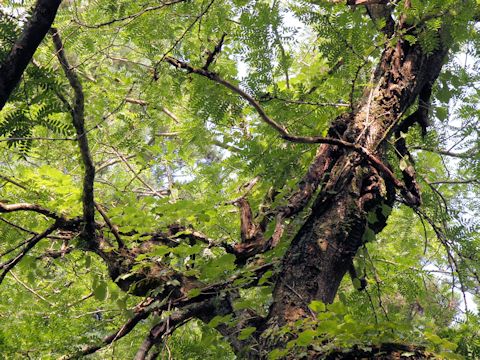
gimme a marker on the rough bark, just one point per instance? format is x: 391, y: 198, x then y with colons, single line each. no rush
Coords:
x: 349, y: 186
x: 11, y: 69
x: 321, y: 252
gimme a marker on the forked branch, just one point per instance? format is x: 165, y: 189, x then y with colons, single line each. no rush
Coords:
x: 142, y: 312
x: 165, y: 327
x: 110, y: 225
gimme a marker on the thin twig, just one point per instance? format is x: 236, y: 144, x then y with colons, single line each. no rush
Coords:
x: 30, y: 289
x: 136, y: 176
x: 110, y: 225
x: 9, y: 265
x: 128, y: 17
x: 198, y: 17
x: 465, y: 155
x: 83, y: 298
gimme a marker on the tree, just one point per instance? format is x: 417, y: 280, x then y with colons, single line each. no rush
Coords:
x: 204, y: 168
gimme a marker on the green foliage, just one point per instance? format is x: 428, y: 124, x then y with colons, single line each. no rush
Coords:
x: 171, y: 147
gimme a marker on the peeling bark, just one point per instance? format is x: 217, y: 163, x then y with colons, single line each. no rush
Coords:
x: 324, y: 247
x: 349, y: 186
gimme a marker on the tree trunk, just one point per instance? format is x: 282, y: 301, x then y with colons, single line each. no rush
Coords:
x: 11, y: 69
x: 322, y: 251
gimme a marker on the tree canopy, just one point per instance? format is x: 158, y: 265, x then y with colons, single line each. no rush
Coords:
x: 239, y: 179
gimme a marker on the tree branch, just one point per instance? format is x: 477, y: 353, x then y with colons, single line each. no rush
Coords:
x: 110, y: 225
x: 55, y: 254
x: 135, y: 175
x: 367, y: 2
x: 213, y: 54
x: 131, y: 16
x: 378, y: 164
x: 30, y: 289
x: 456, y: 182
x: 78, y: 118
x: 7, y: 208
x: 14, y: 182
x: 12, y: 68
x: 9, y: 265
x: 142, y: 312
x: 464, y: 155
x: 165, y: 327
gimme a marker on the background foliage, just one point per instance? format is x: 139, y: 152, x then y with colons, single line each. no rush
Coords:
x: 173, y: 147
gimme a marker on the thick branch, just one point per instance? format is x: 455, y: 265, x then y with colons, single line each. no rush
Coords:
x: 7, y: 208
x: 12, y: 68
x: 79, y: 124
x: 165, y: 327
